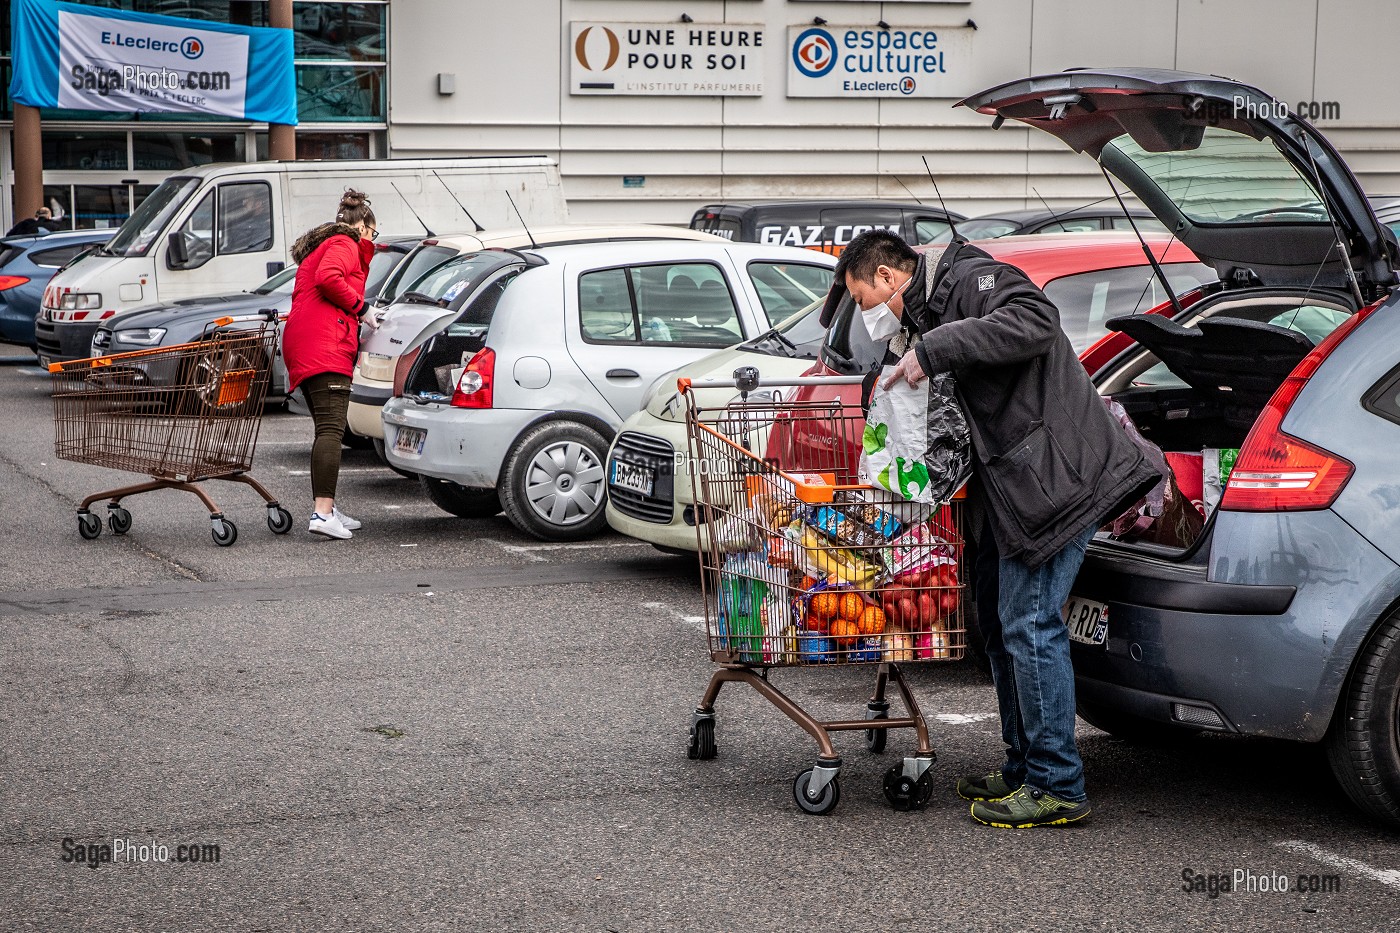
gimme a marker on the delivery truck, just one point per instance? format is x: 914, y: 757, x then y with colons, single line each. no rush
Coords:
x: 226, y: 227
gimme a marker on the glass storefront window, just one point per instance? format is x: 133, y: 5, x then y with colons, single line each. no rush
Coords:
x: 338, y: 93
x: 339, y: 31
x: 181, y: 150
x: 329, y: 146
x: 87, y: 152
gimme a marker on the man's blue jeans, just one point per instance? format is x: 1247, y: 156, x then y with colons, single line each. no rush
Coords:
x: 1018, y: 610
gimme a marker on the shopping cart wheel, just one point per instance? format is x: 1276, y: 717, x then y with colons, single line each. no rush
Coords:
x: 702, y: 736
x: 279, y: 520
x: 119, y: 520
x: 224, y: 531
x: 825, y: 800
x: 905, y: 792
x: 875, y: 738
x: 89, y: 525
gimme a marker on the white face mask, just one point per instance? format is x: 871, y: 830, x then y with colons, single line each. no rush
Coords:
x: 880, y: 321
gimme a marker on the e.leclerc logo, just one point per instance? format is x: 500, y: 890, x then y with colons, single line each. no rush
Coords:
x: 191, y: 48
x: 906, y: 85
x: 814, y: 53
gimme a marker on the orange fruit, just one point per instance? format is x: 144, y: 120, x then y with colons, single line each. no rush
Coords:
x: 851, y: 607
x: 807, y: 583
x: 825, y: 605
x: 872, y: 621
x: 845, y: 632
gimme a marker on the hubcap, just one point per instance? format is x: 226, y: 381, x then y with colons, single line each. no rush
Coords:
x: 209, y: 373
x: 564, y: 483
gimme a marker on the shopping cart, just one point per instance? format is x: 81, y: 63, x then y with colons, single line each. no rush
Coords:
x: 802, y: 566
x: 181, y: 415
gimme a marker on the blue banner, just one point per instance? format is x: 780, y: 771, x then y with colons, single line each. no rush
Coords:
x: 83, y: 58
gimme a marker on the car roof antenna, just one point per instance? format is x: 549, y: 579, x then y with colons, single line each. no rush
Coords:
x: 906, y: 188
x: 411, y: 210
x: 1049, y: 209
x: 952, y: 224
x: 1146, y: 251
x: 533, y: 244
x: 479, y: 227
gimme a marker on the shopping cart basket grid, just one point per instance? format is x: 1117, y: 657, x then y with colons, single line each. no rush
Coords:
x: 180, y: 415
x: 803, y: 566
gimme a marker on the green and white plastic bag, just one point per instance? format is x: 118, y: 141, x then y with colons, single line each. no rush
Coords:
x: 915, y: 443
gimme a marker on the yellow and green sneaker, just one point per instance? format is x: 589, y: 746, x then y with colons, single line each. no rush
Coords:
x: 1026, y: 807
x: 991, y: 786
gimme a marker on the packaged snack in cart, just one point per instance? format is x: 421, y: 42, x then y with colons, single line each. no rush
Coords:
x: 776, y: 615
x: 842, y: 529
x: 916, y: 551
x: 898, y: 647
x: 742, y: 594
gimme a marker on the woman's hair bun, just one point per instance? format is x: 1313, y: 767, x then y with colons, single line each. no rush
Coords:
x: 353, y: 198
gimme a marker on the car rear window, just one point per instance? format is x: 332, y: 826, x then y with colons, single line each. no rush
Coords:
x: 1088, y: 299
x: 416, y: 265
x: 786, y: 287
x: 58, y: 256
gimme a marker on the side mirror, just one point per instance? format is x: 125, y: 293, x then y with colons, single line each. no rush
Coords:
x: 175, y: 255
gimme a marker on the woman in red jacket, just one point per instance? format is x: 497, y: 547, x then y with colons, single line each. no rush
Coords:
x: 322, y: 339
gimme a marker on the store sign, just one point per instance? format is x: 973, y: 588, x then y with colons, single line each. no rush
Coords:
x: 666, y: 59
x: 866, y: 61
x: 83, y: 58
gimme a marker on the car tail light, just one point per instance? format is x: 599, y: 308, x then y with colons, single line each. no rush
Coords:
x: 403, y: 367
x: 474, y: 388
x: 1276, y: 472
x: 8, y: 282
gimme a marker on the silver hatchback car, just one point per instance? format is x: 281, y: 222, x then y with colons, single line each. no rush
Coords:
x: 1276, y: 397
x: 514, y: 404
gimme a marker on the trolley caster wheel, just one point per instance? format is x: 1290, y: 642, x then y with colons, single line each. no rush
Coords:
x: 279, y: 520
x: 224, y: 532
x: 89, y: 525
x: 907, y: 793
x: 119, y: 520
x: 875, y: 738
x: 824, y: 802
x: 702, y: 737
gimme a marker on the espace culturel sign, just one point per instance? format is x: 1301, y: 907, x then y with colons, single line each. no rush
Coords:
x: 666, y: 59
x: 867, y: 61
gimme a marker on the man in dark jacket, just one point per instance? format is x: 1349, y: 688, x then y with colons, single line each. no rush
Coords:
x: 38, y: 225
x: 1050, y: 466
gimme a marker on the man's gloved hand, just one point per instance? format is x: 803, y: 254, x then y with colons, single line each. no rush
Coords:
x: 907, y: 369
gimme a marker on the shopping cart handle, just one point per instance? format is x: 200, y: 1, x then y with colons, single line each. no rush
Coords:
x: 684, y: 384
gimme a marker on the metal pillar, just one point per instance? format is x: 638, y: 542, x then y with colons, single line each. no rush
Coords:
x: 29, y: 161
x: 281, y: 139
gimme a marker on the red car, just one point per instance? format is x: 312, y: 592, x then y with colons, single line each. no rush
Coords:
x: 1091, y: 277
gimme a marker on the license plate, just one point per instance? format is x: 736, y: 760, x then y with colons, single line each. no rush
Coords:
x: 1087, y: 620
x: 410, y: 441
x: 633, y: 476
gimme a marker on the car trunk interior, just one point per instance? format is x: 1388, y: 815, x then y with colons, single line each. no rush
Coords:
x: 1196, y: 386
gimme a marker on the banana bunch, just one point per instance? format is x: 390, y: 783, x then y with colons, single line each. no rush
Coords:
x: 829, y: 561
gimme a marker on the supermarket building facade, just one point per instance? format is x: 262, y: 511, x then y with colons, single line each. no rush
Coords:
x: 654, y: 107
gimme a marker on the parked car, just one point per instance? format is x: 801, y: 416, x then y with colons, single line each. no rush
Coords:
x: 1387, y: 208
x: 1281, y: 619
x: 26, y: 265
x: 826, y: 225
x: 187, y: 320
x: 650, y: 496
x: 520, y: 395
x: 432, y: 286
x: 1091, y: 277
x: 1099, y: 216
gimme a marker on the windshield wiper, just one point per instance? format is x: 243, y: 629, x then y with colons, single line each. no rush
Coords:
x: 772, y: 334
x: 418, y: 298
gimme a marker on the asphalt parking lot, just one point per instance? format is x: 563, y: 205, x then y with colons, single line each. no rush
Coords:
x: 444, y: 725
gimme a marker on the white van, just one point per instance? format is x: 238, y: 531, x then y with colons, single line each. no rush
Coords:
x: 218, y: 228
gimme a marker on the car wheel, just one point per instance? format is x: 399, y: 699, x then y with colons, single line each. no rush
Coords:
x: 1363, y: 744
x: 553, y: 485
x: 1132, y: 728
x: 384, y: 457
x: 461, y: 501
x: 202, y: 375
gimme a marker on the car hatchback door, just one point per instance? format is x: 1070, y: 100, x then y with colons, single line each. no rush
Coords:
x: 626, y: 325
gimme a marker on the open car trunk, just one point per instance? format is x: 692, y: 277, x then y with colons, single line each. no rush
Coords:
x: 1195, y: 386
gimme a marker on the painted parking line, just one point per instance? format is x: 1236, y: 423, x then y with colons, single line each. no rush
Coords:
x: 535, y: 553
x: 343, y: 471
x: 1390, y: 877
x: 690, y: 621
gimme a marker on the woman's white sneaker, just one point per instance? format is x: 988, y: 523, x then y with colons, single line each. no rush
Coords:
x: 351, y: 524
x: 329, y: 526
